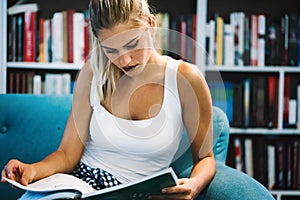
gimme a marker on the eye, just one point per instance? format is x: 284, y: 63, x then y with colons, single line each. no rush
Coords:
x: 132, y: 45
x: 111, y: 51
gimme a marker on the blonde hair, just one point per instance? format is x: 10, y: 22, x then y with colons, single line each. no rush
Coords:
x: 105, y: 14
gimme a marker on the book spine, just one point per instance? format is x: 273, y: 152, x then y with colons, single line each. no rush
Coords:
x: 285, y: 31
x: 219, y: 41
x: 298, y: 106
x: 295, y: 165
x: 42, y: 40
x: 249, y: 157
x: 228, y: 45
x: 70, y: 36
x: 29, y: 48
x: 86, y: 35
x: 254, y: 40
x: 293, y: 40
x: 20, y: 39
x: 246, y: 56
x: 271, y: 166
x: 287, y: 81
x: 261, y: 42
x: 238, y: 154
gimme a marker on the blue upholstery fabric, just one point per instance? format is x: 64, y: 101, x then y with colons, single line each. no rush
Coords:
x: 32, y: 126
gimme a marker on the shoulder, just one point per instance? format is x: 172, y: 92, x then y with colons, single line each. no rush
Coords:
x: 190, y: 74
x: 192, y: 84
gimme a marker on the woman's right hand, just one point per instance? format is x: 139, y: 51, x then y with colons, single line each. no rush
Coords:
x: 18, y: 171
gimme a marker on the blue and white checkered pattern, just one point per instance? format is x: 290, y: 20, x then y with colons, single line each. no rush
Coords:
x: 97, y: 178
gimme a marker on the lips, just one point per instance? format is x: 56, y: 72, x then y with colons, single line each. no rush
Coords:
x: 129, y: 68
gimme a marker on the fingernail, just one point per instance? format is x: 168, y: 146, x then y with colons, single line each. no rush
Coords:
x: 163, y: 190
x: 8, y: 174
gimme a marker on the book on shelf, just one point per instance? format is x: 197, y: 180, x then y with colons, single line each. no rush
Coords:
x: 237, y: 20
x: 271, y: 166
x: 293, y: 39
x: 261, y: 41
x: 219, y: 40
x: 63, y: 186
x: 22, y: 30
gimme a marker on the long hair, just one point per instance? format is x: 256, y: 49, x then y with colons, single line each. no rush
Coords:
x: 105, y: 14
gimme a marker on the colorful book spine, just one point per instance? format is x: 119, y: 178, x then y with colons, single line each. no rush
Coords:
x: 29, y: 43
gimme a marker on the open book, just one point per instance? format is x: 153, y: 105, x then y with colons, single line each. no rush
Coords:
x: 64, y: 186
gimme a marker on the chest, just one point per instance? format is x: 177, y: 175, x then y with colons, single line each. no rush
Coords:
x: 138, y: 102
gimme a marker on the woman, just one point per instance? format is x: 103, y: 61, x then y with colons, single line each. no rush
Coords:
x: 129, y: 109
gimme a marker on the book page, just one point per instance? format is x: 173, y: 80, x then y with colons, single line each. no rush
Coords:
x: 54, y: 183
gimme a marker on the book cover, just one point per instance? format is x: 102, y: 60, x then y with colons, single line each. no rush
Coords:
x: 60, y: 186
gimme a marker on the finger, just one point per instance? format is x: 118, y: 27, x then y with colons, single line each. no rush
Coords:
x: 3, y: 175
x: 10, y: 170
x: 170, y: 197
x: 176, y: 189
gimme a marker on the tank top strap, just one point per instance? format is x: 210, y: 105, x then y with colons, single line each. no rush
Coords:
x: 171, y: 75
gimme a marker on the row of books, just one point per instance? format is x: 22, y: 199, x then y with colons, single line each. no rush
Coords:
x: 62, y: 38
x: 255, y: 40
x: 37, y: 83
x: 176, y: 35
x: 273, y: 162
x: 253, y: 101
x: 247, y: 102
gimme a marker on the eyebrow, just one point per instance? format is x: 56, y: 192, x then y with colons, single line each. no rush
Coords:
x: 124, y: 44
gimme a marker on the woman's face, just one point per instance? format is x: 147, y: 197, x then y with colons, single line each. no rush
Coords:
x: 129, y: 49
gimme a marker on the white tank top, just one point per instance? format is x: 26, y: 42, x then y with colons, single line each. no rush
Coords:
x: 132, y: 149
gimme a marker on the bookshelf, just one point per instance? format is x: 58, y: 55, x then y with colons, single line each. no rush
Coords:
x: 46, y: 10
x: 283, y: 136
x: 205, y: 9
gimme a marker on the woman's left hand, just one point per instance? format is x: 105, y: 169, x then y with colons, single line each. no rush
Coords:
x: 186, y: 189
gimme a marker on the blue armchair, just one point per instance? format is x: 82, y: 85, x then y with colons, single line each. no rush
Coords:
x: 31, y: 127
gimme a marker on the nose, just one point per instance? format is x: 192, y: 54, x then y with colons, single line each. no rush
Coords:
x: 124, y: 59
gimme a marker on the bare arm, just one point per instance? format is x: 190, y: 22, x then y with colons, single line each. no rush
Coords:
x: 65, y: 158
x: 197, y: 116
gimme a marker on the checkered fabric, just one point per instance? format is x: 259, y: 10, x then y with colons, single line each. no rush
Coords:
x: 97, y: 178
